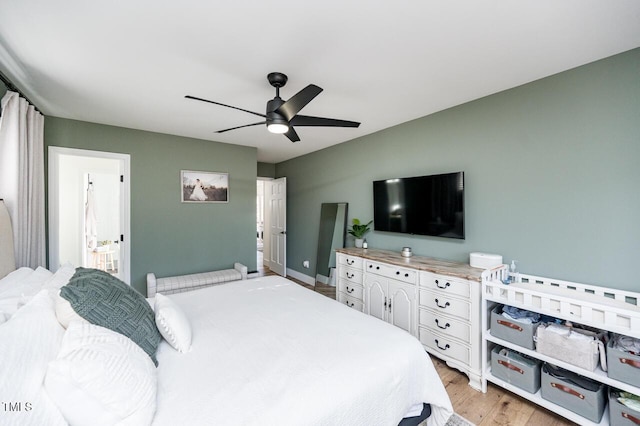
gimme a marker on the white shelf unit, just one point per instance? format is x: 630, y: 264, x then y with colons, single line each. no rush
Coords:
x: 604, y: 308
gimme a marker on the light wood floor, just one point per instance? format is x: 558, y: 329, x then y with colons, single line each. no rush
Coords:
x: 496, y: 407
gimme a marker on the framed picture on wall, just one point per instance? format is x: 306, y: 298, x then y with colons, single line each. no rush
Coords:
x: 204, y: 187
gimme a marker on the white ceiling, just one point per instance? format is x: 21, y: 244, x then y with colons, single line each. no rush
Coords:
x: 130, y: 63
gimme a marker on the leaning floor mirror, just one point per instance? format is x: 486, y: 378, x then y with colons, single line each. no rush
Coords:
x: 333, y: 229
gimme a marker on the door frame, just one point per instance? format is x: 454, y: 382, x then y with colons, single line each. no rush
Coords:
x: 54, y: 153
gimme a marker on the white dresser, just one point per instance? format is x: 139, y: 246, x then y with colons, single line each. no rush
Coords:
x: 350, y: 281
x: 436, y: 301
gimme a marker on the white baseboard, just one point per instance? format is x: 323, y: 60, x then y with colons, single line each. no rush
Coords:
x: 302, y: 277
x: 322, y: 279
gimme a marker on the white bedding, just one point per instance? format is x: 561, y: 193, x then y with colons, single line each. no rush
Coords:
x: 267, y: 351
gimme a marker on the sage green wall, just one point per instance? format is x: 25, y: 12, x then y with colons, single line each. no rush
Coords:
x: 552, y: 176
x: 169, y: 237
x: 267, y: 170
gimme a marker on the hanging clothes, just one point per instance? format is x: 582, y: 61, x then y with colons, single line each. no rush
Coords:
x: 91, y: 220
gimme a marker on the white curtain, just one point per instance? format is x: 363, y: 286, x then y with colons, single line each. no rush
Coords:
x: 22, y: 177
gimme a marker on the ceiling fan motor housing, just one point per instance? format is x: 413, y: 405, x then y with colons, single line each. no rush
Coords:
x: 272, y: 116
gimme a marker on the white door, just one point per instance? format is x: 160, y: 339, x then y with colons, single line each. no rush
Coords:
x: 276, y: 199
x: 70, y: 171
x: 402, y: 300
x: 375, y: 297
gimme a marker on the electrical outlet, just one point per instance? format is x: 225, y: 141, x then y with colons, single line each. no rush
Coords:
x: 305, y: 263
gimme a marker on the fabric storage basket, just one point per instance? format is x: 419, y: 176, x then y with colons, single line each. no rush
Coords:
x: 623, y: 366
x: 512, y: 331
x: 578, y: 347
x: 620, y: 414
x: 579, y: 394
x: 517, y: 369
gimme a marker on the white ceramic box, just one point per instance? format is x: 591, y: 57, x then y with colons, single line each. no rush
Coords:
x: 484, y: 260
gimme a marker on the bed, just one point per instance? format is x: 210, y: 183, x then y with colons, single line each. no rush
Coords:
x: 277, y: 354
x: 263, y: 351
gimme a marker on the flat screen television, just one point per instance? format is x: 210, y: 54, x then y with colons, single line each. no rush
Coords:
x: 422, y: 205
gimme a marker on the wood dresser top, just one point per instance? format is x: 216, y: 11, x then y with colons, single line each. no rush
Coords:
x: 430, y: 264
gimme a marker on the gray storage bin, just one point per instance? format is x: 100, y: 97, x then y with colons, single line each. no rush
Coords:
x: 623, y: 366
x: 517, y: 369
x: 512, y: 331
x: 620, y: 414
x: 566, y: 392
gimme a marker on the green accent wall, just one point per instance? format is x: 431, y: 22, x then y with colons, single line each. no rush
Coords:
x: 267, y: 170
x: 552, y: 176
x: 169, y: 237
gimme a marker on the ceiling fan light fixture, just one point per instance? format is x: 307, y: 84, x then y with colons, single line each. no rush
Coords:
x: 278, y: 128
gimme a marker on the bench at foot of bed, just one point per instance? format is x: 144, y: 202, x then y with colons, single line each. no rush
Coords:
x: 182, y: 283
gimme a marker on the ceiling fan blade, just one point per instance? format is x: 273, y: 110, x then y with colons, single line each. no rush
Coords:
x: 305, y: 120
x: 292, y: 135
x: 224, y: 105
x: 298, y: 101
x: 240, y: 127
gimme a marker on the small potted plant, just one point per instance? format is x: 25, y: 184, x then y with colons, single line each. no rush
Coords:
x: 358, y: 230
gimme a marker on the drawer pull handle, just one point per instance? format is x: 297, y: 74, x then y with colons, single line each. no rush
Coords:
x: 567, y: 389
x: 510, y: 325
x: 630, y: 362
x: 447, y: 325
x: 350, y: 275
x: 631, y: 418
x: 349, y: 304
x: 440, y: 347
x: 350, y: 290
x: 446, y: 304
x: 350, y: 262
x: 377, y: 267
x: 510, y: 366
x: 397, y: 272
x: 443, y: 287
x: 406, y: 275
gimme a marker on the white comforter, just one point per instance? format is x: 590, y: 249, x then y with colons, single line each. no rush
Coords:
x: 267, y: 351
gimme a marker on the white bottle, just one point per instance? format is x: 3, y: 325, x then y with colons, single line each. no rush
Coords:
x: 515, y: 277
x: 364, y: 244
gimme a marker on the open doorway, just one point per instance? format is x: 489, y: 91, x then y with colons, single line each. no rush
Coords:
x: 89, y: 210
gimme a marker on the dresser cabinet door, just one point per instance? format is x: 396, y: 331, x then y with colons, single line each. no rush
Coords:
x: 375, y: 297
x: 402, y: 305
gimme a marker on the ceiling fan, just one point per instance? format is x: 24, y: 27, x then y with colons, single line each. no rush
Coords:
x: 282, y: 116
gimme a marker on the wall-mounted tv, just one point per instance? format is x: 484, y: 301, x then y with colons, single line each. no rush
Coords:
x: 422, y: 205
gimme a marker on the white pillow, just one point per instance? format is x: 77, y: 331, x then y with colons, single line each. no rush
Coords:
x: 102, y: 378
x: 28, y: 341
x: 19, y: 287
x: 172, y: 323
x: 64, y: 312
x: 15, y: 276
x: 61, y: 276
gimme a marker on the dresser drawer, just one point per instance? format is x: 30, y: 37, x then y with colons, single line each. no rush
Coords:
x: 350, y: 274
x: 350, y: 301
x: 444, y: 345
x: 350, y: 289
x: 444, y: 304
x: 351, y: 261
x: 446, y: 325
x: 409, y: 276
x: 444, y: 284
